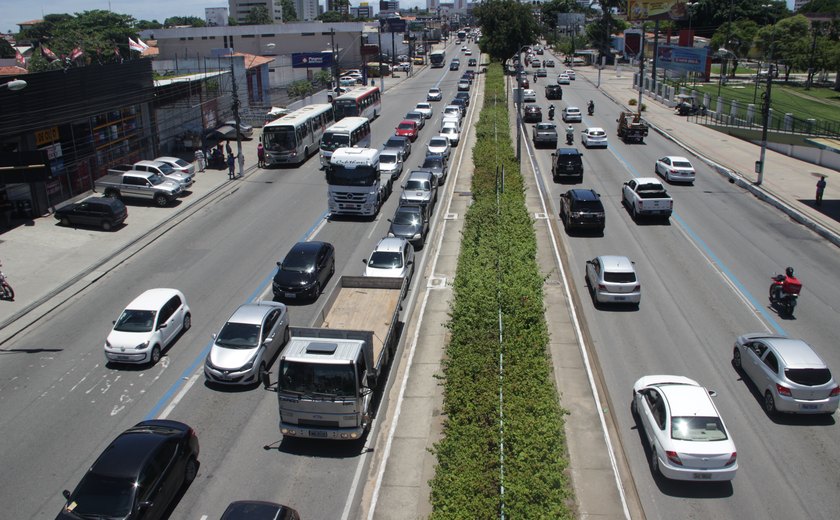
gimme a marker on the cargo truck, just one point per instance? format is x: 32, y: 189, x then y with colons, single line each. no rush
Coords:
x: 328, y: 374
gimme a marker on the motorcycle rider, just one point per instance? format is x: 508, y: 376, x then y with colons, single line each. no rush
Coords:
x: 551, y: 112
x: 789, y: 284
x: 591, y: 107
x: 535, y: 77
x: 570, y: 134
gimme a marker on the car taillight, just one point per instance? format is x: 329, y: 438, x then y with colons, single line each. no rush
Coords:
x: 783, y: 390
x: 834, y: 391
x: 732, y: 458
x: 673, y: 457
x: 637, y: 288
x: 602, y: 287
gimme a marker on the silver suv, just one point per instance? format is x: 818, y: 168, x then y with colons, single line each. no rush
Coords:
x: 184, y: 179
x: 420, y: 188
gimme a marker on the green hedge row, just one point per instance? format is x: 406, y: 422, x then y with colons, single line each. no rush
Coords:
x: 497, y: 265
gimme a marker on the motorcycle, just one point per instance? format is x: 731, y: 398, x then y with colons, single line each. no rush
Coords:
x: 570, y: 138
x: 591, y: 110
x: 784, y: 296
x: 551, y: 113
x: 6, y: 291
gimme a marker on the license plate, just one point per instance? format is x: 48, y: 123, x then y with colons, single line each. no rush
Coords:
x: 702, y: 476
x: 291, y: 295
x: 810, y: 407
x: 620, y: 298
x: 121, y: 357
x: 317, y: 433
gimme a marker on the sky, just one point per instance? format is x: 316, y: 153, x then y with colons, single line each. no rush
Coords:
x: 20, y: 11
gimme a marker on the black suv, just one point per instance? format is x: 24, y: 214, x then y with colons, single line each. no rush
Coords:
x: 532, y: 114
x: 566, y: 164
x: 582, y: 209
x: 465, y: 96
x: 103, y: 212
x: 553, y: 92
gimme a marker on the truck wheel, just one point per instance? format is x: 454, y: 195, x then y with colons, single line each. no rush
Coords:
x: 161, y: 200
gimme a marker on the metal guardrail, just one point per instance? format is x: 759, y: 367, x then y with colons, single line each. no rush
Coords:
x: 778, y: 124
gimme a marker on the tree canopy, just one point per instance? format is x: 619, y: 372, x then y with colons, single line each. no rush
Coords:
x: 289, y: 12
x: 258, y: 15
x: 506, y: 25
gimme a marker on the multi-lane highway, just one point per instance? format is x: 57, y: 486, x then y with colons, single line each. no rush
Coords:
x: 704, y: 277
x: 60, y: 412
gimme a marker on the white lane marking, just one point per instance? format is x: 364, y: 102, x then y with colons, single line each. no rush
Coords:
x: 392, y: 430
x: 579, y: 335
x: 180, y: 395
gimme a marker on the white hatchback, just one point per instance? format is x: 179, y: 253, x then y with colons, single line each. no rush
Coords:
x: 687, y: 437
x: 675, y: 169
x: 612, y: 279
x: 594, y: 136
x: 529, y: 96
x: 451, y: 132
x: 391, y: 258
x: 148, y: 325
x: 564, y: 79
x: 425, y: 109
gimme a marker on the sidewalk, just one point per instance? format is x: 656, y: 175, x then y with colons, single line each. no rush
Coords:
x: 789, y: 184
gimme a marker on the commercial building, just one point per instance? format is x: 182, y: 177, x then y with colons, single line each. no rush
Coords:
x: 240, y: 9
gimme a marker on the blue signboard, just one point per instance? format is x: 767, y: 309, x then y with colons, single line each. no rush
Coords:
x: 686, y: 59
x: 305, y: 60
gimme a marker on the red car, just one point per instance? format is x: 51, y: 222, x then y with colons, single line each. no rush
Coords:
x: 407, y: 128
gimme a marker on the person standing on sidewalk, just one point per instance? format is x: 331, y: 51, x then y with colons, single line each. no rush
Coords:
x: 199, y: 159
x: 820, y: 190
x: 260, y: 156
x: 231, y: 163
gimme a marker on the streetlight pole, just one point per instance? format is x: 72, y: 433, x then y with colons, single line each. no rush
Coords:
x: 726, y: 43
x: 759, y: 165
x: 15, y: 84
x: 690, y: 6
x: 240, y: 157
x: 335, y: 62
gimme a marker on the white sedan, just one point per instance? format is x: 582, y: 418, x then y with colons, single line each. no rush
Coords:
x: 572, y: 115
x: 594, y: 136
x: 675, y: 169
x: 564, y: 79
x: 425, y: 109
x: 529, y: 96
x: 570, y: 73
x: 687, y: 437
x: 452, y: 133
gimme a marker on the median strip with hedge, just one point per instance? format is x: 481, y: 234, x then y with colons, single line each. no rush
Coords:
x: 497, y: 269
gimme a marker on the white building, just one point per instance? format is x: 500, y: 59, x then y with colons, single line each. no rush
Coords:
x: 240, y: 9
x: 216, y: 16
x: 307, y: 10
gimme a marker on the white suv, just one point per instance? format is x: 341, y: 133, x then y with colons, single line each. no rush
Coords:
x: 391, y: 258
x: 147, y: 326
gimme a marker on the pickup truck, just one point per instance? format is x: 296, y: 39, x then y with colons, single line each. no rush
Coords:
x: 545, y: 134
x: 141, y: 185
x: 647, y: 196
x: 631, y: 127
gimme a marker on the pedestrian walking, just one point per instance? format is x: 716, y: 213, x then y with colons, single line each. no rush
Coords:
x: 820, y: 190
x: 260, y: 156
x: 199, y: 159
x: 241, y: 159
x: 231, y: 166
x: 228, y: 149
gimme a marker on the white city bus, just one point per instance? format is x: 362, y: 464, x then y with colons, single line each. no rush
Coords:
x: 437, y: 59
x: 353, y: 132
x: 359, y: 102
x: 356, y: 186
x: 292, y: 138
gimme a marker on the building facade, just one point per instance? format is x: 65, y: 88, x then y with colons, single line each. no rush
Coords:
x: 240, y: 9
x: 307, y: 10
x: 216, y: 16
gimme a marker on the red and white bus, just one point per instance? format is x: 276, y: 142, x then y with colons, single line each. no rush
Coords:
x: 359, y: 102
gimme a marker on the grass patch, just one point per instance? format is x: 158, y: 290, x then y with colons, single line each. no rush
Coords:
x: 497, y: 272
x: 822, y: 104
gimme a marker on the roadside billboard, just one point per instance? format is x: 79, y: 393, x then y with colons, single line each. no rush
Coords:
x: 305, y: 60
x: 684, y: 59
x: 657, y: 9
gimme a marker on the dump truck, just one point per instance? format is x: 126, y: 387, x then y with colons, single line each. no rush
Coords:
x: 631, y: 127
x: 328, y: 374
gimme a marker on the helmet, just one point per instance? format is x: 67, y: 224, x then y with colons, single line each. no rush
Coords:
x: 789, y: 271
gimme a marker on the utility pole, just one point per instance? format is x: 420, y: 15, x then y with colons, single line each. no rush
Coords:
x: 655, y: 55
x: 379, y: 57
x: 236, y: 118
x: 759, y: 166
x: 641, y: 70
x: 335, y: 62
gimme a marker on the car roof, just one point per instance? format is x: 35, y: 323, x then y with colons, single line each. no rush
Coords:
x: 617, y: 264
x: 442, y: 138
x: 390, y: 244
x: 149, y: 163
x: 568, y: 151
x: 166, y: 158
x: 570, y: 109
x: 397, y: 138
x: 595, y: 129
x: 688, y: 400
x: 583, y: 194
x: 126, y: 455
x: 420, y: 174
x: 253, y: 313
x: 795, y: 352
x: 102, y: 201
x: 676, y: 158
x: 153, y: 299
x: 305, y: 248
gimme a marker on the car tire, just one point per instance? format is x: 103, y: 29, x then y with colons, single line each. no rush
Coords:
x: 736, y: 359
x: 106, y: 226
x: 769, y: 403
x: 187, y: 322
x: 287, y: 335
x: 155, y: 357
x: 654, y: 462
x: 65, y: 221
x: 634, y: 408
x: 161, y: 200
x: 263, y: 368
x: 190, y: 471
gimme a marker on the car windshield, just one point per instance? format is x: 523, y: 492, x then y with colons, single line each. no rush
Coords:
x: 808, y: 376
x: 99, y: 496
x: 417, y: 184
x: 416, y: 116
x: 281, y: 139
x: 314, y: 380
x: 614, y: 277
x: 298, y: 263
x: 157, y: 179
x: 434, y: 91
x: 182, y: 163
x: 387, y: 158
x: 238, y: 335
x: 682, y: 164
x: 385, y: 260
x: 406, y: 126
x: 436, y: 142
x: 395, y: 143
x: 406, y: 218
x: 433, y: 162
x: 423, y: 106
x: 135, y: 321
x: 545, y: 126
x: 165, y: 168
x: 697, y: 429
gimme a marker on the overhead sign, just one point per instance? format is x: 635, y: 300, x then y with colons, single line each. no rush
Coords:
x: 322, y: 60
x: 393, y: 25
x: 687, y: 59
x: 657, y: 9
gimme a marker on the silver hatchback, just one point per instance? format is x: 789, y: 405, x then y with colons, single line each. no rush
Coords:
x: 612, y: 279
x: 788, y: 373
x: 247, y: 343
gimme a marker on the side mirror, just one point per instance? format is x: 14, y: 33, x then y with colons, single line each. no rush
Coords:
x: 364, y: 261
x: 364, y: 390
x: 391, y: 221
x: 162, y: 326
x: 279, y: 264
x: 712, y: 393
x: 66, y: 494
x: 213, y: 336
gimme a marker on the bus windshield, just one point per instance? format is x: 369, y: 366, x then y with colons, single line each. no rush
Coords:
x: 281, y: 139
x: 359, y: 176
x: 332, y: 141
x: 345, y: 108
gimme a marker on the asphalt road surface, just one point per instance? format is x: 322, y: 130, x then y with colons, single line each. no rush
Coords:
x: 704, y: 275
x: 62, y: 405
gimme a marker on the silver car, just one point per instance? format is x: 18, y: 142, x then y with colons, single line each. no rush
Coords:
x: 391, y: 258
x: 438, y: 145
x: 178, y: 164
x: 247, y: 343
x: 419, y: 188
x: 788, y: 373
x: 612, y: 279
x: 675, y: 168
x: 390, y: 161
